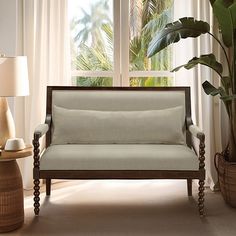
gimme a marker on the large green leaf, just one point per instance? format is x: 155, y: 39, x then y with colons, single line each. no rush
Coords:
x: 173, y: 32
x: 212, y: 1
x: 226, y: 82
x: 207, y: 60
x: 225, y: 12
x: 228, y: 98
x: 213, y: 91
x: 232, y: 9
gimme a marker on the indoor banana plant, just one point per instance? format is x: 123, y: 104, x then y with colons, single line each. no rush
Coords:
x: 225, y: 12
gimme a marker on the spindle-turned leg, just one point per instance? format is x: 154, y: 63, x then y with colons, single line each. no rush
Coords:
x: 201, y: 198
x: 36, y: 196
x: 36, y: 174
x: 48, y: 187
x: 189, y: 185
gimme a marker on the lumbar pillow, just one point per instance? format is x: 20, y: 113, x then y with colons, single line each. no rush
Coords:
x: 118, y: 127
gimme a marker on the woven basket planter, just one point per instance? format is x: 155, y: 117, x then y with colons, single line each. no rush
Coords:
x: 227, y: 178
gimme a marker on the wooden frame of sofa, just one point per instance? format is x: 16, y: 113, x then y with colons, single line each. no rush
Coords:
x: 191, y: 131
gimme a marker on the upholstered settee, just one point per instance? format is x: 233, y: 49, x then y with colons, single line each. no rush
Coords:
x: 118, y: 133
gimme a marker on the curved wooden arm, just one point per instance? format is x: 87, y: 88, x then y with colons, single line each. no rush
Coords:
x: 197, y: 132
x: 39, y: 132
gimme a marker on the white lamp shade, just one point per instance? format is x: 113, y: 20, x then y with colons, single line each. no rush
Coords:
x: 14, y: 76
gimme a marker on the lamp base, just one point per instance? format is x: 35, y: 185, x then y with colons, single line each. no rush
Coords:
x: 7, y: 126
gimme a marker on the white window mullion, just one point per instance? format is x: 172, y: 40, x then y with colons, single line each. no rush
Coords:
x: 124, y: 39
x: 90, y: 73
x: 150, y: 74
x: 116, y: 43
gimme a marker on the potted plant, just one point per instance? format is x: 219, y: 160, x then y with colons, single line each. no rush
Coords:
x: 225, y: 12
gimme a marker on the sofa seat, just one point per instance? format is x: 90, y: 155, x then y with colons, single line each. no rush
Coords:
x: 119, y: 157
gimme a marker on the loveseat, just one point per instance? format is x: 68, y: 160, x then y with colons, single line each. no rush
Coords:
x: 119, y: 133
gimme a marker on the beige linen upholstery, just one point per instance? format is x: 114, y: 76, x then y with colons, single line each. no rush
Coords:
x: 41, y: 129
x: 118, y: 100
x: 195, y: 131
x: 118, y: 127
x: 119, y: 157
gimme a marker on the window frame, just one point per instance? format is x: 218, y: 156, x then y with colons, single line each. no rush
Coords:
x: 121, y: 74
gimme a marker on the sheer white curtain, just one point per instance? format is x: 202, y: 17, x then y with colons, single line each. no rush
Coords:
x: 46, y: 43
x: 205, y: 109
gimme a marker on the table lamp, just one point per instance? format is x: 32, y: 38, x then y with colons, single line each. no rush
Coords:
x: 13, y: 82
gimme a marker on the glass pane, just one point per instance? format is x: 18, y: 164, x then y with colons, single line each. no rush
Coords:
x: 91, y: 27
x: 92, y: 81
x: 151, y: 81
x: 146, y: 18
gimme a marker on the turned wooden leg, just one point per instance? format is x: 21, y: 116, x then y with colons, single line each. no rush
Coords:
x: 36, y: 196
x: 201, y: 198
x: 48, y: 187
x: 189, y: 185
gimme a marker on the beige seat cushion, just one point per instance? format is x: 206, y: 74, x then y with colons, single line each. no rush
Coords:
x: 119, y: 157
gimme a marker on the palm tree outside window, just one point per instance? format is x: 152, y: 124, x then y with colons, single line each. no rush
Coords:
x: 109, y: 42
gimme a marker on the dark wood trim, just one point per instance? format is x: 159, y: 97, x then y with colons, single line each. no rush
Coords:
x: 179, y: 88
x: 189, y: 187
x: 201, y: 189
x: 48, y: 121
x: 186, y: 90
x: 120, y: 174
x: 36, y: 196
x: 188, y: 116
x: 48, y: 187
x: 36, y: 173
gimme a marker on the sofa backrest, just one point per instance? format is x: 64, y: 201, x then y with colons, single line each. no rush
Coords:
x: 117, y: 99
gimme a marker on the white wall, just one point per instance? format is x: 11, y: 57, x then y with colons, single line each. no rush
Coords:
x: 8, y: 32
x: 8, y: 14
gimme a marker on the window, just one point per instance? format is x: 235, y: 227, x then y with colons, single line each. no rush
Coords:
x: 109, y: 39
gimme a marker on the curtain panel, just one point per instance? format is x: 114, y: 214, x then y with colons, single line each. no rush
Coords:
x: 44, y: 36
x: 206, y: 110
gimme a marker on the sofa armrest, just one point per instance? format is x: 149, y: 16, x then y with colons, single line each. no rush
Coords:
x: 42, y: 129
x: 197, y: 132
x: 39, y: 132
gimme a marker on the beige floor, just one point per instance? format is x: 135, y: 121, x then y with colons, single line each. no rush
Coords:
x: 156, y: 207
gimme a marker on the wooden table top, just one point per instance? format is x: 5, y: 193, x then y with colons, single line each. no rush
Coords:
x: 13, y: 155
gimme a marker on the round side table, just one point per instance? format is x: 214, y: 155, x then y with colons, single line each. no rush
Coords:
x: 11, y: 190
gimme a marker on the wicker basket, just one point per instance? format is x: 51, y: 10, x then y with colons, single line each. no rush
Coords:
x: 227, y: 178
